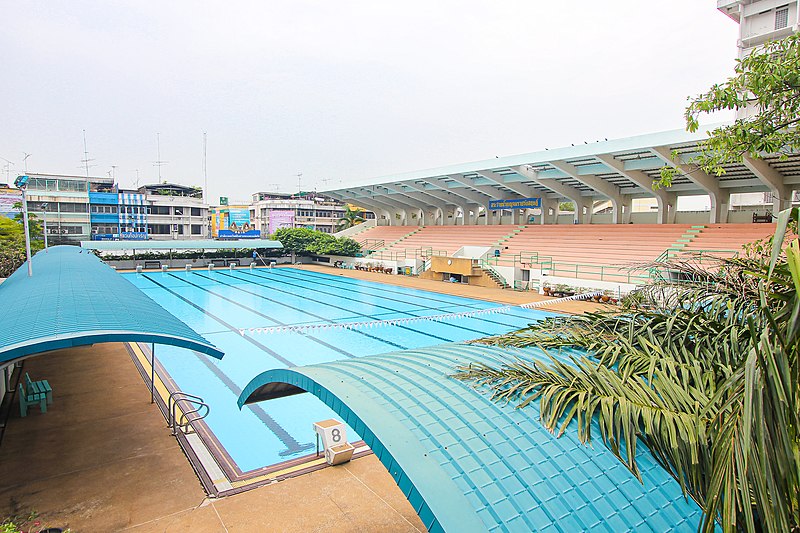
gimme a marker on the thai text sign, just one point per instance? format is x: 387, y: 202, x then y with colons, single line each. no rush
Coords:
x: 519, y: 203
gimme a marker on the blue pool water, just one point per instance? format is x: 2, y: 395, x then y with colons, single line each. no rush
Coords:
x: 218, y: 304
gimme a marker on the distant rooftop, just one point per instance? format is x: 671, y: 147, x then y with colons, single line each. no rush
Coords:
x: 171, y: 189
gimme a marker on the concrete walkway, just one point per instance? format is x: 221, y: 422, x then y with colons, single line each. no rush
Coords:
x: 102, y: 459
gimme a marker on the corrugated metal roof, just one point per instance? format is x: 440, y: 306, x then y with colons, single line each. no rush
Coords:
x: 74, y: 299
x: 199, y: 244
x: 469, y: 464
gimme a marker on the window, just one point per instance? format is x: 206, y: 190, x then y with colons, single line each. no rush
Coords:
x: 158, y: 210
x: 196, y: 212
x: 781, y: 17
x: 178, y: 211
x: 197, y: 229
x: 159, y: 229
x: 66, y: 230
x: 69, y: 207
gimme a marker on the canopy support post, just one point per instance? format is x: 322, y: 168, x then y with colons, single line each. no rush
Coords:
x: 152, y: 372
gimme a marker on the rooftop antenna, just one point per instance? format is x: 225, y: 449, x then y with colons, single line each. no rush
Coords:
x: 85, y: 159
x: 299, y: 190
x: 159, y: 162
x: 25, y: 157
x: 7, y: 166
x: 136, y: 183
x: 114, y: 172
x: 205, y: 167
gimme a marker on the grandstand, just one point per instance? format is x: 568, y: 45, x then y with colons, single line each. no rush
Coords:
x: 723, y: 240
x: 589, y: 252
x: 439, y: 240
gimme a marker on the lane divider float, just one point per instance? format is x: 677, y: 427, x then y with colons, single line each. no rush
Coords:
x: 400, y: 321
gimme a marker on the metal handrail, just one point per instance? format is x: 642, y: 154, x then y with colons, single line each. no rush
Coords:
x: 185, y: 421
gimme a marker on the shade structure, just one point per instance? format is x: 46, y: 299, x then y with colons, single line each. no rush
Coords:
x: 74, y: 299
x: 198, y: 244
x: 467, y: 463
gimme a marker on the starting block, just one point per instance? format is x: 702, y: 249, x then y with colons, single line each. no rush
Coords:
x: 333, y: 435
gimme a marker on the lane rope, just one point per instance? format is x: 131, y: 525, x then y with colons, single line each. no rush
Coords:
x: 397, y: 321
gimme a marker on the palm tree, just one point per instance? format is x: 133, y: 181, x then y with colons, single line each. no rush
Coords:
x: 702, y: 371
x: 351, y: 218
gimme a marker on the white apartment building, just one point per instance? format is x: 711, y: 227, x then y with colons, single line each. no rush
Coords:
x: 271, y: 211
x: 761, y: 20
x: 175, y: 212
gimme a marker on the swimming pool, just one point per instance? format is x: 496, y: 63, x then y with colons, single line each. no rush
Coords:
x: 218, y: 304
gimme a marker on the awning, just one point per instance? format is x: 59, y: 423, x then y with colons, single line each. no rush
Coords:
x: 466, y: 463
x: 74, y: 299
x: 199, y: 244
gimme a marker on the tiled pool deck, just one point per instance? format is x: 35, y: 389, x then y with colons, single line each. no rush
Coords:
x: 102, y: 458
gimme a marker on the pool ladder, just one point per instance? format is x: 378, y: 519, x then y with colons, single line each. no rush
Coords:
x: 199, y: 410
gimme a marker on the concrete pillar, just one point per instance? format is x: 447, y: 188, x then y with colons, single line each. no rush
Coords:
x: 720, y: 203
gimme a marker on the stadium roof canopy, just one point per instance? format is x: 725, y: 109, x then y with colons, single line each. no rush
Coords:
x: 469, y: 464
x: 616, y: 171
x: 74, y: 299
x: 199, y: 244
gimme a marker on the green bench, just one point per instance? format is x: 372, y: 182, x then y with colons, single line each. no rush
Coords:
x: 38, y: 392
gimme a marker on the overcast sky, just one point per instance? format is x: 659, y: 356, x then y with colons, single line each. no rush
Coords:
x: 340, y: 90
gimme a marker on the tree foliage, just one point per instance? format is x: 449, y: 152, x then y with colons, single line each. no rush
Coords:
x: 703, y: 372
x: 12, y: 242
x: 352, y: 217
x: 767, y: 82
x: 307, y: 241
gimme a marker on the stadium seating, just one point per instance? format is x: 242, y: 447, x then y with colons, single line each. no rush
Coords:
x: 448, y: 239
x: 601, y: 244
x: 727, y: 239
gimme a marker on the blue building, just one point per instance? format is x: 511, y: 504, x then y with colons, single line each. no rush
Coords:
x: 118, y: 215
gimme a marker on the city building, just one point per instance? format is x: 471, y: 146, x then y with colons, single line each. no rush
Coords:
x: 761, y: 20
x: 175, y: 211
x: 65, y: 199
x: 79, y: 208
x: 272, y: 211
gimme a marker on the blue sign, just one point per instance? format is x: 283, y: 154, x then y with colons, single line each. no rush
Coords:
x: 519, y: 203
x: 133, y: 235
x: 230, y: 234
x: 103, y: 237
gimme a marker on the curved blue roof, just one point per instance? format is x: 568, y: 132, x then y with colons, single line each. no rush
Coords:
x: 467, y: 463
x: 74, y: 299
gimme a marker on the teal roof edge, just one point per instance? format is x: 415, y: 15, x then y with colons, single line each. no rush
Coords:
x: 439, y: 503
x: 74, y: 299
x: 515, y: 475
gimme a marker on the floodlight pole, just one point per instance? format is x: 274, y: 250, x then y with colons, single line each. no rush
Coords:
x: 27, y: 232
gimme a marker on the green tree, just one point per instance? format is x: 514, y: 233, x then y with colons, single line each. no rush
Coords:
x: 306, y: 241
x: 768, y: 83
x: 352, y: 217
x: 12, y: 245
x: 703, y: 372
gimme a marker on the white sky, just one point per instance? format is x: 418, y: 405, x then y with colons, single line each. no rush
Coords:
x: 340, y: 90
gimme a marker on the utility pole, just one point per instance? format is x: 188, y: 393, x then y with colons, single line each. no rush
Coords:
x: 22, y: 183
x: 25, y: 157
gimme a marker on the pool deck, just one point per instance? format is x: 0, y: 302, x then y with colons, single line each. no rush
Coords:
x: 102, y: 458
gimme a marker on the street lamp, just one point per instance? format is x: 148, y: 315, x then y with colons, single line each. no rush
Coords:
x: 44, y: 210
x: 22, y: 183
